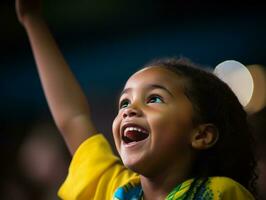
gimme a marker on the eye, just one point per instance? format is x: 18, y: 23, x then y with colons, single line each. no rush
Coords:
x: 155, y: 99
x: 124, y: 103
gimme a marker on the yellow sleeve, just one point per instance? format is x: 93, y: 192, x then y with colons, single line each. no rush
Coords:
x: 95, y: 172
x: 228, y: 189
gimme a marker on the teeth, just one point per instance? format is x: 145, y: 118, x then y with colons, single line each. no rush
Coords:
x: 135, y: 129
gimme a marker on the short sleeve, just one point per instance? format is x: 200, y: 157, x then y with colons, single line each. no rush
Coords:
x: 95, y: 172
x: 227, y: 189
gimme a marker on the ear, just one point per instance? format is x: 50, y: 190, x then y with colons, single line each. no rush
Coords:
x: 204, y: 137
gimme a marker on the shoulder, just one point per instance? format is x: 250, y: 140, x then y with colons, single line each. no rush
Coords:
x: 95, y: 172
x: 224, y: 183
x: 227, y: 188
x: 93, y: 150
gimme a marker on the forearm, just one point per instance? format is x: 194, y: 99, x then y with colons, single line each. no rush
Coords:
x: 66, y: 99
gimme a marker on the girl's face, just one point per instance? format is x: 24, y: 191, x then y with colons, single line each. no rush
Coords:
x: 153, y: 127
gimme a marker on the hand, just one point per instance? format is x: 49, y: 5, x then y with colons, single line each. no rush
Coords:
x: 26, y: 8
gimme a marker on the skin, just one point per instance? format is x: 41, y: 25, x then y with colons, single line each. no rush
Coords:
x: 164, y: 158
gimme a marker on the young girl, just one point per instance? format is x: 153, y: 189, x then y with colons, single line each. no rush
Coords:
x: 180, y: 131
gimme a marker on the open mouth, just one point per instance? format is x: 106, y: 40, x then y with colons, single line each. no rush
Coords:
x: 134, y: 134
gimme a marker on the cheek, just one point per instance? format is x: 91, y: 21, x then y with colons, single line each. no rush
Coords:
x: 116, y: 128
x: 171, y: 127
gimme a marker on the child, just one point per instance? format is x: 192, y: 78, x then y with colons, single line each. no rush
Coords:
x: 180, y: 131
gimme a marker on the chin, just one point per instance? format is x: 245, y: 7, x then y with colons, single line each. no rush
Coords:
x: 137, y: 166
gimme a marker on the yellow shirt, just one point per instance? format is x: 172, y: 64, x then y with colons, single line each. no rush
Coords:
x: 95, y: 173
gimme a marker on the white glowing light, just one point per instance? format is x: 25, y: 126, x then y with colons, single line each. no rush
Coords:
x: 238, y: 78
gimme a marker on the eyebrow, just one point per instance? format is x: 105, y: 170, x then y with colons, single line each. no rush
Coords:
x: 151, y: 86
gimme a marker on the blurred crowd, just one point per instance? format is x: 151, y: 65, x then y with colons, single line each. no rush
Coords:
x: 37, y: 167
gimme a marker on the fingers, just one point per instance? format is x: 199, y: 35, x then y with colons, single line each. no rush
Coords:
x: 25, y: 8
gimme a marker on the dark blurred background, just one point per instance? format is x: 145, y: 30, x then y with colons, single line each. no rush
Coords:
x: 104, y: 41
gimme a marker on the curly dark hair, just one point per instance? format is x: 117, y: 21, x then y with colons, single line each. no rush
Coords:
x: 214, y: 102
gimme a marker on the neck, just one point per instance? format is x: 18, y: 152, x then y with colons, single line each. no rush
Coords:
x: 159, y: 186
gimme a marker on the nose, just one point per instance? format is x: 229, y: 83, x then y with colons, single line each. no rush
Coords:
x: 131, y: 112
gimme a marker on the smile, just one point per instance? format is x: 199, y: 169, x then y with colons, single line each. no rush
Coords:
x: 133, y: 134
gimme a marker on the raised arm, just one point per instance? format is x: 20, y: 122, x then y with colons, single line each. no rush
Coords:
x: 65, y: 97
